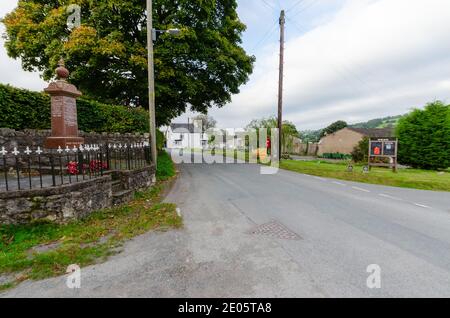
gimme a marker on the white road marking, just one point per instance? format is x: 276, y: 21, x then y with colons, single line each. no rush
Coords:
x: 340, y: 183
x: 422, y: 206
x: 318, y: 178
x: 361, y: 189
x: 389, y: 197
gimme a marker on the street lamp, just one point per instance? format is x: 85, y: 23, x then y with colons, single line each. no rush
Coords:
x: 151, y: 36
x: 169, y: 31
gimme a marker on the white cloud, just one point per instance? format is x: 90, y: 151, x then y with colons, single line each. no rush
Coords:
x: 11, y: 70
x: 373, y: 58
x: 364, y: 60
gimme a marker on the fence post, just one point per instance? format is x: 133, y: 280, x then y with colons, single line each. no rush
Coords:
x: 128, y: 156
x: 52, y: 165
x: 6, y: 171
x: 147, y: 154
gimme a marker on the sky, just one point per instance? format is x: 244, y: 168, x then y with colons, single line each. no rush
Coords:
x: 351, y: 60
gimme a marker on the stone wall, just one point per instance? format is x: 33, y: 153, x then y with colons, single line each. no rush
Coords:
x: 136, y: 179
x: 305, y: 149
x: 73, y: 201
x: 56, y: 204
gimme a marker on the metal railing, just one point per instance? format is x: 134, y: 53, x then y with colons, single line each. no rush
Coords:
x: 36, y: 169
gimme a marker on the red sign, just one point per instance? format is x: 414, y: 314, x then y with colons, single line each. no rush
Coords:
x: 377, y: 151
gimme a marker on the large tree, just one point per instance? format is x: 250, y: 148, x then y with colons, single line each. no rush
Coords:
x: 336, y: 126
x: 424, y: 137
x: 288, y: 130
x: 208, y: 122
x: 199, y: 68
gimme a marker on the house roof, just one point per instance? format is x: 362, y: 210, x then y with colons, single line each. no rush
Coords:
x: 374, y: 132
x: 183, y: 127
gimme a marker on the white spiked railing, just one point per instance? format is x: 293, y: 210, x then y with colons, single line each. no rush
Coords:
x: 23, y: 168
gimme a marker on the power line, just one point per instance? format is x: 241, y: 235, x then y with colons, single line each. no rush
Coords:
x: 294, y: 6
x: 266, y: 36
x: 313, y: 2
x: 346, y: 77
x: 279, y: 4
x: 269, y: 5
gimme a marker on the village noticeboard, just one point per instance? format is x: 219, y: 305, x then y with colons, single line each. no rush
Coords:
x: 383, y: 148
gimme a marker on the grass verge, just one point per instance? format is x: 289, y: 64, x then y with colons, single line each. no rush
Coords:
x: 44, y: 250
x: 165, y: 169
x: 405, y: 178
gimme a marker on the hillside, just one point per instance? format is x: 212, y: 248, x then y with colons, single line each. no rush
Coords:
x: 390, y: 121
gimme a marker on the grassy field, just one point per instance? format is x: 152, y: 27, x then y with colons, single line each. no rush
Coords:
x: 405, y: 178
x: 44, y: 250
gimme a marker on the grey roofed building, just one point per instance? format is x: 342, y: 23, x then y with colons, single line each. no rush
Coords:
x: 183, y: 127
x: 375, y: 132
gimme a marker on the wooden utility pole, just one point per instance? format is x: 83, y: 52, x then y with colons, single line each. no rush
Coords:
x: 280, y: 84
x: 151, y: 83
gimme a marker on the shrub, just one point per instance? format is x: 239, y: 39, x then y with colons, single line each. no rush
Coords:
x: 361, y: 152
x: 424, y: 137
x: 337, y: 155
x: 160, y: 140
x: 165, y: 168
x: 23, y: 109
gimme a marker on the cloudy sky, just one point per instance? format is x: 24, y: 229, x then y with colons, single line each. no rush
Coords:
x: 353, y: 60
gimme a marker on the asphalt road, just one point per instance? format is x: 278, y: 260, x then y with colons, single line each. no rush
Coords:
x: 317, y: 240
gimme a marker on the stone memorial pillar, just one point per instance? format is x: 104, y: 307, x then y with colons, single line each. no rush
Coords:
x: 64, y: 111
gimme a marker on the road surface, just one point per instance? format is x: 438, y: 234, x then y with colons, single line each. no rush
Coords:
x: 281, y: 235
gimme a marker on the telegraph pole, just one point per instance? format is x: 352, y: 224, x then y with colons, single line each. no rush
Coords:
x: 280, y: 84
x: 151, y: 83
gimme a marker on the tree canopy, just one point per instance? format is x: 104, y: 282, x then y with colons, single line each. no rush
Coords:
x: 424, y: 137
x: 272, y: 122
x: 336, y: 126
x: 208, y: 122
x: 200, y: 68
x: 288, y: 130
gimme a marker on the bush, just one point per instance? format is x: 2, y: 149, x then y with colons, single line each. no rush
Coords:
x: 23, y: 109
x: 424, y: 137
x: 361, y: 152
x: 165, y: 168
x: 337, y: 155
x: 160, y: 140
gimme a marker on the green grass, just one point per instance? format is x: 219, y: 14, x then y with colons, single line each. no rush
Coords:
x: 165, y: 168
x: 83, y: 242
x: 405, y: 178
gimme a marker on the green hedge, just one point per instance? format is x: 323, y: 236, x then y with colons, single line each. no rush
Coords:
x: 23, y: 109
x: 337, y: 155
x: 424, y: 137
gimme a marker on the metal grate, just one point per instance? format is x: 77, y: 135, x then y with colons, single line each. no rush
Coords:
x: 276, y: 230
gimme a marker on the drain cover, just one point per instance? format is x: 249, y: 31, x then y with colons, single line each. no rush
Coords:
x: 276, y: 230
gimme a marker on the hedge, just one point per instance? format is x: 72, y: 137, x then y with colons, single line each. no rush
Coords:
x: 336, y: 155
x: 23, y: 109
x: 424, y: 137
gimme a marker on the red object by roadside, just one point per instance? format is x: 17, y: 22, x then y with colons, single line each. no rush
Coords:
x: 268, y: 144
x: 377, y: 151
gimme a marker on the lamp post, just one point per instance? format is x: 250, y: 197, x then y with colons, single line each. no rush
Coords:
x: 151, y: 36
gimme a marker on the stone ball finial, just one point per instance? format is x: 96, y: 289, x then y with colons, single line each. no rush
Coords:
x: 62, y: 73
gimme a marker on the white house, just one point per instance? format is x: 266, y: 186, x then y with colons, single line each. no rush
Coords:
x: 182, y: 136
x: 185, y: 136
